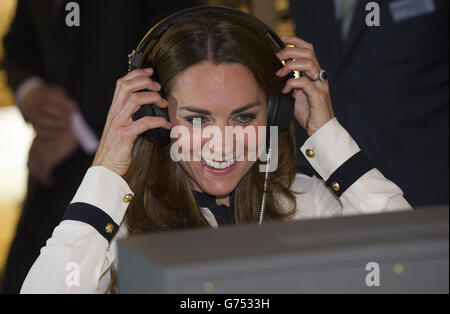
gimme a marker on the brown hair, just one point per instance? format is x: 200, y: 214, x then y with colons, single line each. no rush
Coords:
x: 163, y: 197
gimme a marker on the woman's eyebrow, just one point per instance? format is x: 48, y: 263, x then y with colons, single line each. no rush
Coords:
x: 245, y: 108
x: 207, y: 113
x: 196, y: 110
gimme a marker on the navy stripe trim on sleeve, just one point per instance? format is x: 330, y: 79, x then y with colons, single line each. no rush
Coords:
x: 348, y: 173
x: 93, y: 216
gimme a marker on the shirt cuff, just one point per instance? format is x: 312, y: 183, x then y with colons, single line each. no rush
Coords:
x: 87, y: 139
x: 329, y: 148
x: 83, y: 133
x: 24, y: 88
x: 101, y: 201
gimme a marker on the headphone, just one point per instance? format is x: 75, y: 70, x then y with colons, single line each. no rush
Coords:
x: 280, y: 108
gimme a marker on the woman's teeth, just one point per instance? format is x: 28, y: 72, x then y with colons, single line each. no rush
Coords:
x: 218, y: 165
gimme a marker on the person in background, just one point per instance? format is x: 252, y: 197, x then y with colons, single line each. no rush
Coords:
x: 51, y: 67
x: 389, y: 84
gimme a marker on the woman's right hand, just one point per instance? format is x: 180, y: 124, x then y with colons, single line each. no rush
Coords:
x: 120, y: 132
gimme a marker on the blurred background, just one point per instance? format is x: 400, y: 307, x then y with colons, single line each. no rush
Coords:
x: 16, y: 135
x: 389, y: 86
x: 15, y: 140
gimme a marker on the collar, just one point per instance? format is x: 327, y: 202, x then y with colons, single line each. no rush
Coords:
x: 223, y: 214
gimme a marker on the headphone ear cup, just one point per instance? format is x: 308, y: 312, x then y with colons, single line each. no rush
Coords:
x: 280, y: 111
x: 285, y: 111
x: 160, y: 135
x: 272, y: 109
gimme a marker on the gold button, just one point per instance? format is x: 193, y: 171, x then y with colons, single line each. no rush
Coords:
x: 128, y: 198
x: 399, y: 269
x: 109, y: 228
x: 208, y: 287
x: 310, y: 153
x: 335, y: 186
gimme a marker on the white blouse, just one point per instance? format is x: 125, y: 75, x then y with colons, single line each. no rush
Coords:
x: 78, y: 259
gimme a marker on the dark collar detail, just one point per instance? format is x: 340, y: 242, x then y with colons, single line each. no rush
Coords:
x: 222, y: 213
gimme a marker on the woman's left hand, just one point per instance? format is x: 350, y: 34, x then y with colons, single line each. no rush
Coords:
x: 312, y: 99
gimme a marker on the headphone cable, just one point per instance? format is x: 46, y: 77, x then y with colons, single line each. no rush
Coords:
x: 266, y: 179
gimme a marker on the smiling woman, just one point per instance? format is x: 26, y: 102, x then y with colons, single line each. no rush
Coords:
x: 219, y: 67
x: 244, y: 64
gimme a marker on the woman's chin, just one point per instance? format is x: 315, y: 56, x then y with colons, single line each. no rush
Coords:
x: 219, y: 183
x: 218, y: 189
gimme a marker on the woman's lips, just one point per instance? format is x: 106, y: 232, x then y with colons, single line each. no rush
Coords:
x: 219, y: 172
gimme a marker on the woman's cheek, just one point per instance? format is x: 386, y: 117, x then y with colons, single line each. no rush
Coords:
x: 181, y: 143
x: 259, y: 142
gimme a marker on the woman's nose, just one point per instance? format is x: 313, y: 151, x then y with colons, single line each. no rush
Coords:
x: 220, y: 141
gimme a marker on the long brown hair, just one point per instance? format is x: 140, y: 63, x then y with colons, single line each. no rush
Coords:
x: 163, y: 196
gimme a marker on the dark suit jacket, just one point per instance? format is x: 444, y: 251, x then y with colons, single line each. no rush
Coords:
x: 390, y: 89
x: 85, y: 60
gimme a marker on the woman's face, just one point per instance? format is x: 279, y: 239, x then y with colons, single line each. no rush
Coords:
x: 218, y: 96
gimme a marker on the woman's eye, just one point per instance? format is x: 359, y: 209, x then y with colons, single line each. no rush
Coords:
x: 195, y: 119
x: 246, y: 118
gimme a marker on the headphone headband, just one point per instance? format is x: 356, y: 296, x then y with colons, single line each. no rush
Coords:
x: 135, y: 59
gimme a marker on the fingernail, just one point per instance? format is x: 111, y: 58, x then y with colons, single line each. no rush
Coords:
x: 148, y: 70
x: 279, y: 72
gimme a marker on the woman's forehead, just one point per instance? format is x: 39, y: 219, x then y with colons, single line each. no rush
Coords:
x: 214, y: 87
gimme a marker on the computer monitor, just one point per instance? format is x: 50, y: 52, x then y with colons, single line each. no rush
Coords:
x: 401, y: 252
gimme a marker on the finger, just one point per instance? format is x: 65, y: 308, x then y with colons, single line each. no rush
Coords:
x: 303, y: 65
x: 120, y: 95
x: 68, y: 105
x: 54, y: 111
x: 47, y: 133
x: 296, y: 53
x: 50, y: 115
x: 137, y: 73
x: 57, y: 95
x: 297, y: 42
x: 45, y: 119
x: 132, y: 131
x: 127, y: 88
x: 138, y: 99
x: 131, y: 75
x: 45, y: 122
x: 311, y: 90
